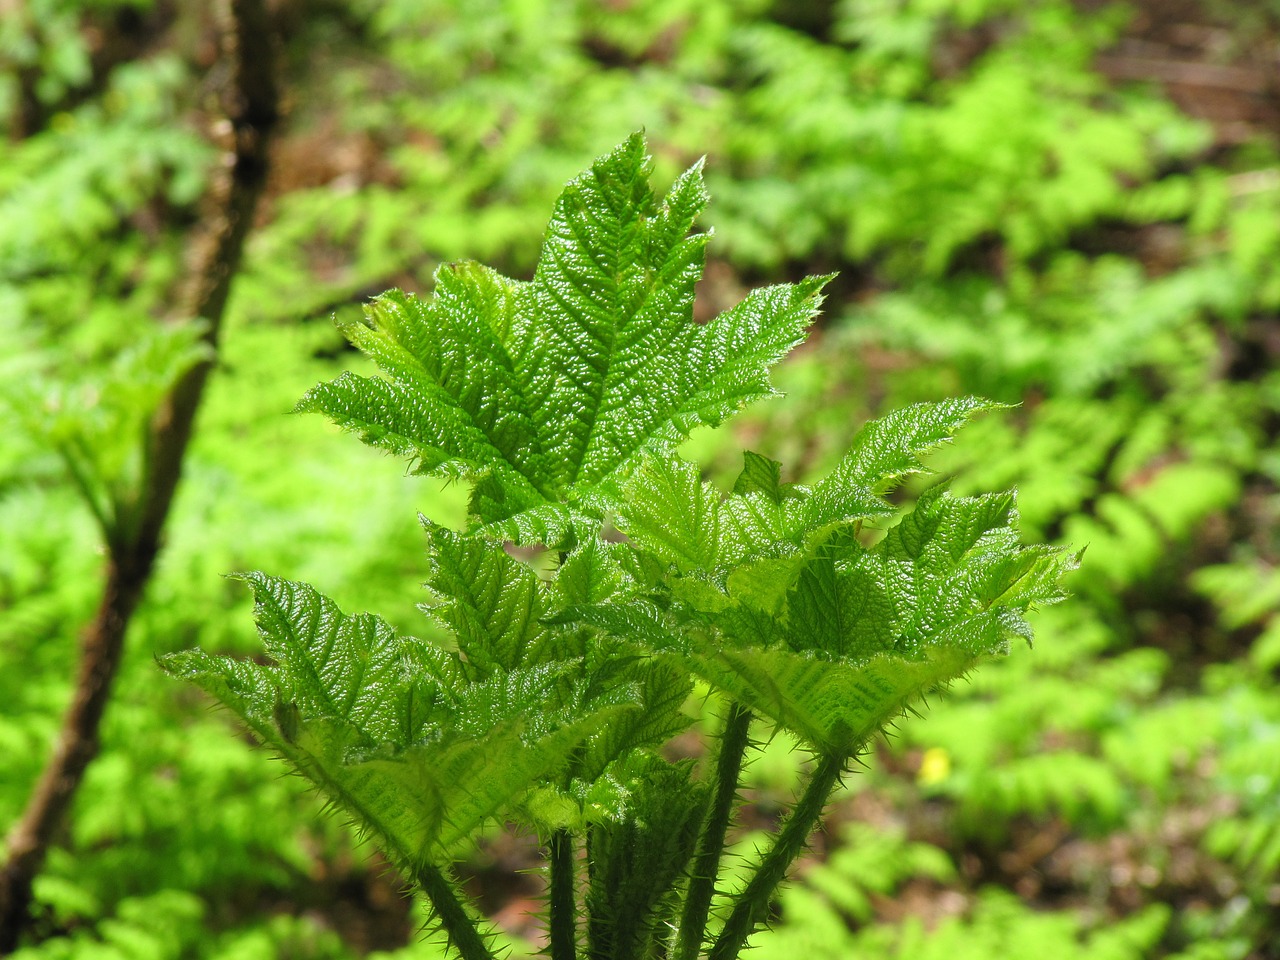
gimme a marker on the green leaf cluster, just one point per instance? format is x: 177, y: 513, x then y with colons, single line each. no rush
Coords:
x: 559, y: 401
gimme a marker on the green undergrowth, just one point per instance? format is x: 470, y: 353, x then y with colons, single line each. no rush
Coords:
x: 1007, y: 224
x: 134, y: 850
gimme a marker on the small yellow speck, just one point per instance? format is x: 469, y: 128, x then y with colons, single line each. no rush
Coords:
x: 935, y: 766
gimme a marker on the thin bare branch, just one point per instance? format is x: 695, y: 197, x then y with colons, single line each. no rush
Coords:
x: 252, y: 110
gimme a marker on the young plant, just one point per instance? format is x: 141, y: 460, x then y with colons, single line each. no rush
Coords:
x: 560, y: 401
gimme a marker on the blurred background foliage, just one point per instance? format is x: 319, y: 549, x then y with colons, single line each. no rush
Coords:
x: 1068, y: 205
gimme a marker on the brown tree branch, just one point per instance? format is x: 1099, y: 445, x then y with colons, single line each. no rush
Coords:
x: 252, y: 109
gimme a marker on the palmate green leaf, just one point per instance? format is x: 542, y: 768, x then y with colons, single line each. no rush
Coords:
x: 363, y: 713
x: 883, y: 452
x: 659, y: 688
x: 544, y: 393
x: 593, y: 572
x: 852, y: 651
x: 806, y: 624
x: 862, y: 633
x: 504, y: 617
x: 670, y: 511
x: 760, y: 475
x: 835, y: 706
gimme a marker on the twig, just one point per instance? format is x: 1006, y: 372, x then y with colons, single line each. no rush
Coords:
x: 252, y: 111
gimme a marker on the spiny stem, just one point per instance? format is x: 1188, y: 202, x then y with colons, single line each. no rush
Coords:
x: 751, y: 905
x: 456, y: 922
x: 562, y: 919
x: 706, y: 864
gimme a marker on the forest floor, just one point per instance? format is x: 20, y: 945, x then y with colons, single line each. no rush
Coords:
x: 1218, y: 62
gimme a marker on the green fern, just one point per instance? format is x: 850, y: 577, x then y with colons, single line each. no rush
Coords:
x: 560, y: 401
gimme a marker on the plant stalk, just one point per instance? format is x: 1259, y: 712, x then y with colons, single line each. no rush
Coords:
x: 752, y: 904
x: 706, y: 863
x: 562, y: 913
x: 457, y: 923
x: 132, y: 547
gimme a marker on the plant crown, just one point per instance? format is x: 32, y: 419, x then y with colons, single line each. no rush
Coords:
x: 560, y: 401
